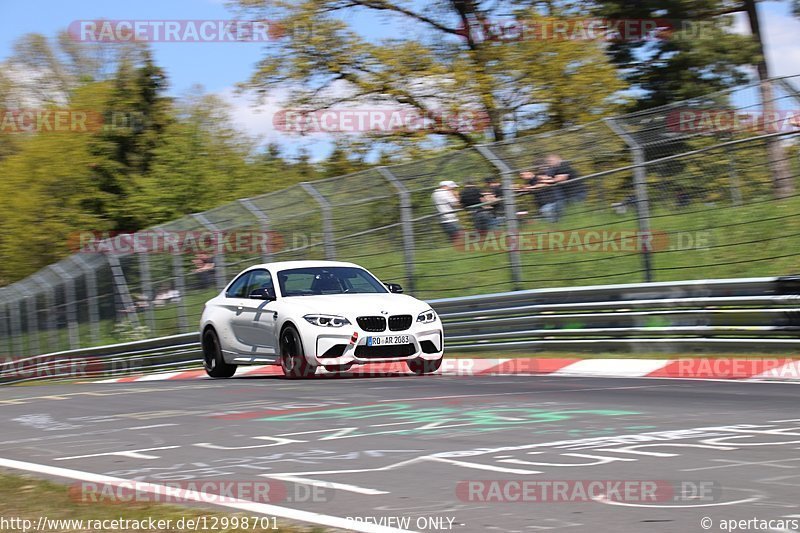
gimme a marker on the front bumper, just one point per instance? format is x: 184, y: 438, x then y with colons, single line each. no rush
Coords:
x: 426, y: 341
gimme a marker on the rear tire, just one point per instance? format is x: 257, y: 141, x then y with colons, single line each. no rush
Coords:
x: 214, y: 364
x: 293, y: 362
x: 423, y: 366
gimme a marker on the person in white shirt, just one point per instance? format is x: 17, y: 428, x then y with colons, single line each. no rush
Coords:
x: 446, y: 204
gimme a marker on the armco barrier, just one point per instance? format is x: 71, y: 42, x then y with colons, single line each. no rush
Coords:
x: 752, y: 314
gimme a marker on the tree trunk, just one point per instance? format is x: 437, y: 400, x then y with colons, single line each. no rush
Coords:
x: 778, y: 163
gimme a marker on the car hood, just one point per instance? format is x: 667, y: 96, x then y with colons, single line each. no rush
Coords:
x: 357, y: 304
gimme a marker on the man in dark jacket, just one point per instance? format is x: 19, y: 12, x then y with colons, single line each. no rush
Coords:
x: 561, y: 171
x: 471, y: 199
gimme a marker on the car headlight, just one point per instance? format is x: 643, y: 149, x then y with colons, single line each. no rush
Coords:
x: 330, y: 321
x: 427, y: 317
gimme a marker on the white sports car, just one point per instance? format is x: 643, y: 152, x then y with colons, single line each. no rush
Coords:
x: 306, y: 314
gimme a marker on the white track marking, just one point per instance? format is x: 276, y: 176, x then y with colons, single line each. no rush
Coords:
x: 327, y: 484
x: 602, y: 499
x: 133, y: 454
x: 201, y: 497
x: 160, y: 377
x: 480, y: 466
x: 244, y: 370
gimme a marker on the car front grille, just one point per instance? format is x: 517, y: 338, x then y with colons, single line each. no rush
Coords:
x: 399, y: 322
x: 385, y: 352
x: 372, y: 323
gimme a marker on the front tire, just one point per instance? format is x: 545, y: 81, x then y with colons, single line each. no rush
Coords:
x: 423, y: 366
x: 214, y: 364
x: 293, y: 362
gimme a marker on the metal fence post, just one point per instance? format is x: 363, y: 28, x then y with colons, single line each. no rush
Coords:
x: 510, y: 204
x: 220, y: 275
x: 91, y: 298
x: 733, y: 176
x: 69, y: 299
x: 34, y: 346
x: 792, y: 90
x: 327, y: 221
x: 51, y: 323
x: 642, y: 199
x: 126, y: 307
x: 146, y: 282
x: 5, y: 333
x: 263, y: 219
x: 15, y: 323
x: 180, y: 286
x: 406, y: 216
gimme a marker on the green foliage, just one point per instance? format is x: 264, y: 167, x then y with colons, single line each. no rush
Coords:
x: 430, y: 64
x: 699, y: 55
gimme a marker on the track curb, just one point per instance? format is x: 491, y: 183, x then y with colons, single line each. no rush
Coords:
x: 696, y: 368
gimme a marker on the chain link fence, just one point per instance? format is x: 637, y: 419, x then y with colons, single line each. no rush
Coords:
x: 697, y: 189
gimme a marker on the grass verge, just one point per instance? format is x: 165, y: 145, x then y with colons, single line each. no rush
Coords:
x: 28, y: 498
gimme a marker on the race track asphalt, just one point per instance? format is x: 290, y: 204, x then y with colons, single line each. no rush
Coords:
x: 443, y: 452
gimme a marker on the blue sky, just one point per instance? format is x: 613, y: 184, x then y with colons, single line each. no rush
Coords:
x: 216, y: 66
x: 219, y: 66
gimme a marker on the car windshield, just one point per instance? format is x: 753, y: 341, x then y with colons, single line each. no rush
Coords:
x: 328, y: 280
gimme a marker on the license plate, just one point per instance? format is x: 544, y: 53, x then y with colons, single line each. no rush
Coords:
x: 390, y: 340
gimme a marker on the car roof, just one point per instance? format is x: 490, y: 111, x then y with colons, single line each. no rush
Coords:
x: 285, y: 265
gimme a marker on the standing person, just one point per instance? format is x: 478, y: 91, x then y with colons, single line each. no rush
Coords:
x: 446, y: 204
x: 494, y: 192
x: 561, y: 171
x: 548, y: 197
x: 472, y: 199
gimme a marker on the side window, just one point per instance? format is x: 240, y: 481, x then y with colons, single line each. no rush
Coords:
x: 259, y: 279
x: 238, y: 288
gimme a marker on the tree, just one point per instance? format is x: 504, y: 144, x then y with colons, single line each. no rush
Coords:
x: 439, y: 65
x: 346, y: 158
x: 783, y: 183
x: 694, y: 55
x: 136, y: 116
x: 49, y: 194
x: 702, y: 56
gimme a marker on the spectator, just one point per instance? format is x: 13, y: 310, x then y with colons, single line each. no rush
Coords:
x: 561, y: 171
x: 472, y: 199
x: 446, y: 204
x: 204, y: 268
x: 494, y: 193
x: 549, y: 197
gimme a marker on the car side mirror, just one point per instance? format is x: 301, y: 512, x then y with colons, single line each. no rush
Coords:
x: 394, y: 287
x: 263, y: 294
